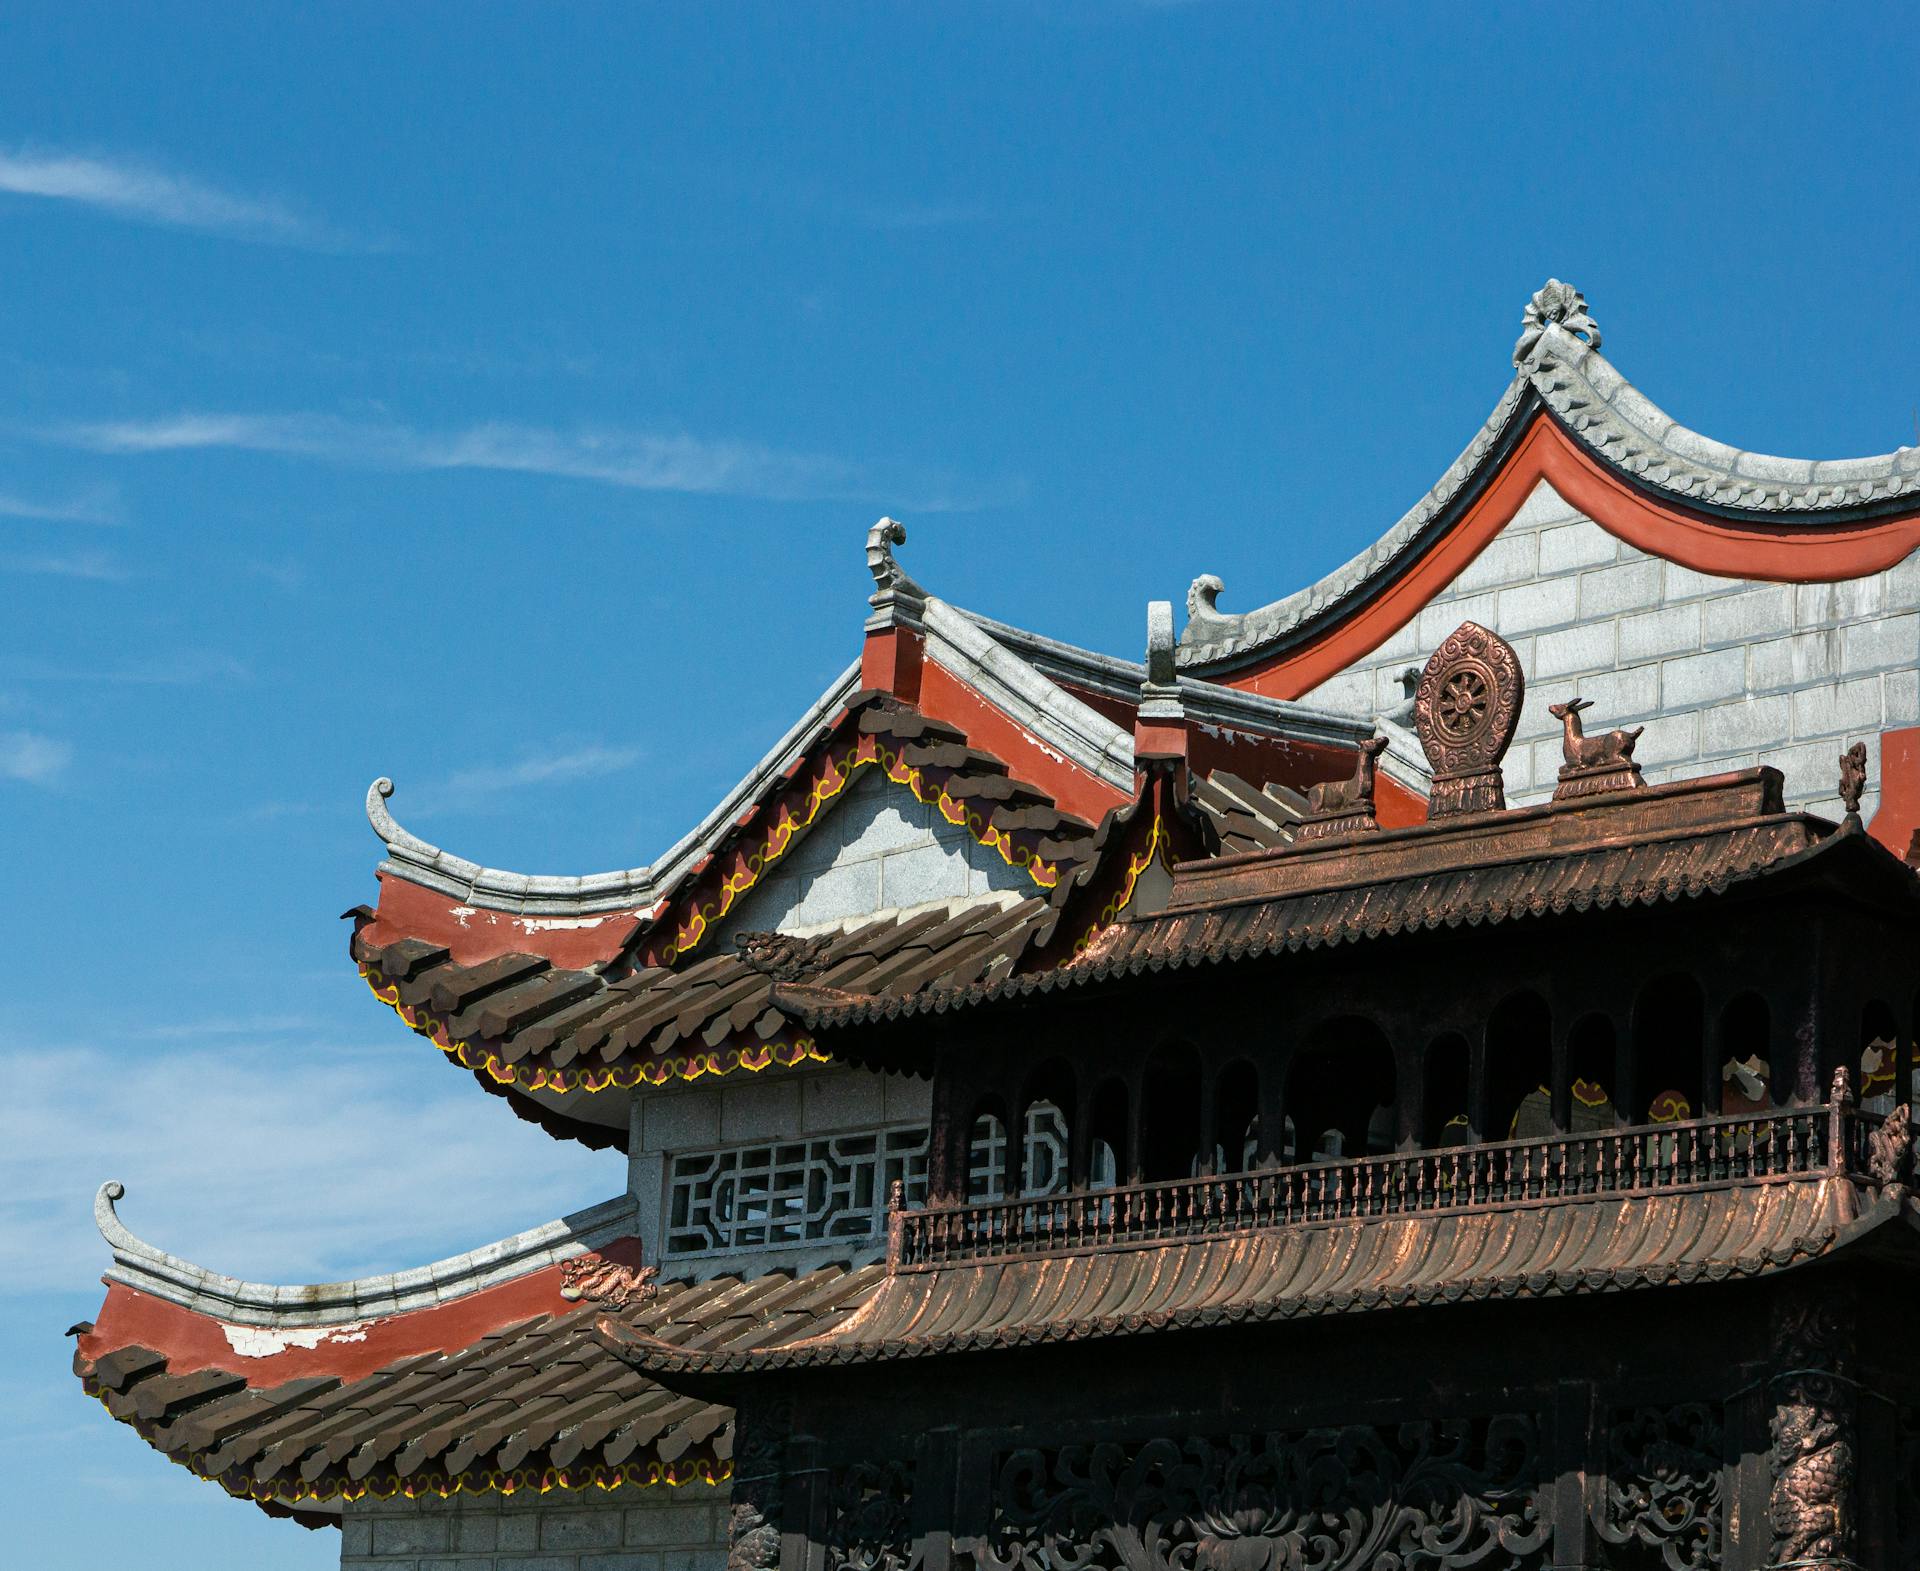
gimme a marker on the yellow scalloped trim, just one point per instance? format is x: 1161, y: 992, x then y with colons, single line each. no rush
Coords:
x: 837, y: 774
x: 444, y: 1486
x: 1157, y: 844
x: 655, y: 1071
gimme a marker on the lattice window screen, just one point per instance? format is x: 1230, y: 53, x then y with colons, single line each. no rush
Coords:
x: 791, y: 1192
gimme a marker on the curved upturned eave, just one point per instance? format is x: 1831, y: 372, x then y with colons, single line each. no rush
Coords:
x: 139, y: 1265
x: 1623, y: 431
x: 636, y: 890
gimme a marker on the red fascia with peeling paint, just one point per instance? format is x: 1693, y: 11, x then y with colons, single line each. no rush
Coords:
x: 350, y: 1350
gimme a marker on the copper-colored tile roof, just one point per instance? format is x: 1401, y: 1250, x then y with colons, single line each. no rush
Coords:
x: 1688, y: 841
x: 522, y: 1022
x: 532, y: 1405
x: 1599, y: 1244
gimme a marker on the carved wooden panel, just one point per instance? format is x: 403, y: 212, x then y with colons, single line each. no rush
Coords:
x: 1812, y: 1506
x: 869, y: 1518
x: 1665, y: 1481
x: 1423, y: 1496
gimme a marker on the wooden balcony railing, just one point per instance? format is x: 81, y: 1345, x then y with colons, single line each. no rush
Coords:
x: 1651, y: 1159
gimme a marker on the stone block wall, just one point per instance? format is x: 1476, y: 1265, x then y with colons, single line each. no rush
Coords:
x: 658, y: 1529
x: 877, y: 849
x: 1722, y: 672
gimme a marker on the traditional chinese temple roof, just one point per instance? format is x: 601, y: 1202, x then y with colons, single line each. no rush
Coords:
x: 1688, y: 840
x: 474, y: 1374
x: 552, y: 991
x: 1569, y: 416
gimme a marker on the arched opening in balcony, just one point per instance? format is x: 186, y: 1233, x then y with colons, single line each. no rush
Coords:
x: 1107, y: 1149
x: 1046, y: 1134
x: 1340, y: 1092
x: 1668, y: 1044
x: 1746, y: 1056
x: 1444, y: 1120
x: 1876, y: 1073
x: 1519, y: 1068
x: 1170, y: 1123
x: 1236, y: 1117
x: 1593, y: 1058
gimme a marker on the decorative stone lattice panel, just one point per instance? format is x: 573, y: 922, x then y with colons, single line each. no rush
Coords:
x: 1723, y: 672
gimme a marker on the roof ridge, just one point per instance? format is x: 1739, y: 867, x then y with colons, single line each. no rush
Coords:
x: 1559, y: 368
x: 636, y: 889
x: 140, y: 1265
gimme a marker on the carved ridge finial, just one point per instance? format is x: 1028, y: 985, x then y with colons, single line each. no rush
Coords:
x: 1853, y: 778
x: 1160, y: 642
x: 388, y: 828
x: 881, y: 539
x: 1202, y: 595
x: 896, y: 597
x: 107, y: 1219
x: 1554, y: 304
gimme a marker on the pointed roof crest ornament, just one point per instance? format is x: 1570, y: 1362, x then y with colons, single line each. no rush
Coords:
x: 1853, y: 778
x: 1555, y: 304
x: 1465, y: 710
x: 896, y: 597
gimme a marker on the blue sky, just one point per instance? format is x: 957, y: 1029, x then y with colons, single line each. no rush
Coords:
x: 497, y: 398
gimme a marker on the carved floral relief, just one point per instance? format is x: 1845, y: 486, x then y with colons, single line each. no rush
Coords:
x: 1414, y: 1497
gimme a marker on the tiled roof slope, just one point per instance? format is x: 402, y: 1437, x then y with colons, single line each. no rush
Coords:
x: 1605, y: 1244
x: 522, y: 1022
x: 1681, y: 841
x: 534, y: 1405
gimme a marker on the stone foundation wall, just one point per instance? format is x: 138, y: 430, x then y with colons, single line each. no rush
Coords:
x: 1723, y: 672
x: 657, y: 1529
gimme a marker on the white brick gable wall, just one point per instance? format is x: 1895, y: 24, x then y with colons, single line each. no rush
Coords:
x: 1723, y: 672
x: 878, y: 848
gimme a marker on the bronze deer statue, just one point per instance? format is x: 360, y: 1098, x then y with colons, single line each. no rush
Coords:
x: 1333, y: 797
x: 1591, y: 752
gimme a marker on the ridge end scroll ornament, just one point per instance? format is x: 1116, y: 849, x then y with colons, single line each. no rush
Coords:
x: 1466, y: 710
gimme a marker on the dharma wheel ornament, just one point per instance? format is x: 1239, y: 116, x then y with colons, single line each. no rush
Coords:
x: 1466, y: 709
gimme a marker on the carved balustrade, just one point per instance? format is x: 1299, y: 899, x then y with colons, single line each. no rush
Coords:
x: 1756, y: 1148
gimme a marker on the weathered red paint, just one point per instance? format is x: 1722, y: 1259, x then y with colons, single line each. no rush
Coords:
x: 1783, y: 553
x: 193, y: 1341
x: 1898, y: 815
x: 471, y: 934
x: 1159, y: 739
x: 891, y: 661
x: 945, y: 697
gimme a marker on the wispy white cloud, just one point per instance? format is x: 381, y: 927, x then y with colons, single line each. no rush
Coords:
x: 145, y: 193
x: 101, y: 566
x: 33, y: 758
x: 581, y: 763
x: 637, y: 460
x: 361, y: 1136
x: 97, y: 505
